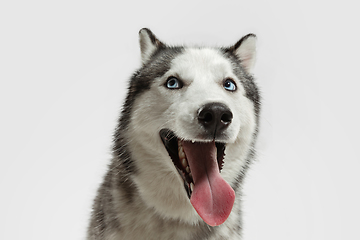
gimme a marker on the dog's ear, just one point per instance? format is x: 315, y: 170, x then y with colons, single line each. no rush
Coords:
x: 148, y: 44
x: 245, y: 51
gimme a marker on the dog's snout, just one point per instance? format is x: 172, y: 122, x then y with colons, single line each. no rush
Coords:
x: 215, y: 117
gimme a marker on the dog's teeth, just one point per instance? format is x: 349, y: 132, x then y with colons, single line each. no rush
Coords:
x: 181, y: 154
x: 187, y: 169
x: 192, y: 186
x: 184, y: 162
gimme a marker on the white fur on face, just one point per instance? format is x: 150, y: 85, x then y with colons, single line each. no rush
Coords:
x: 202, y: 72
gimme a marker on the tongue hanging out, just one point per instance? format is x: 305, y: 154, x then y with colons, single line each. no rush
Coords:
x: 212, y: 196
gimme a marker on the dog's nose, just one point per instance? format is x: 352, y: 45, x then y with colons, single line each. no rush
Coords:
x: 215, y: 117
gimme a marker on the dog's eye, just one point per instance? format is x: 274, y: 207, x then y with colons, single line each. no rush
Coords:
x: 173, y: 83
x: 229, y: 85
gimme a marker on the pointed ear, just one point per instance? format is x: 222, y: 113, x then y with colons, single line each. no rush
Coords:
x: 245, y: 50
x: 148, y: 44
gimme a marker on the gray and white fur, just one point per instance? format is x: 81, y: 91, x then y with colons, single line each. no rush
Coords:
x: 199, y: 96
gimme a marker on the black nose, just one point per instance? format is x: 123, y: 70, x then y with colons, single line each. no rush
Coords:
x: 215, y: 117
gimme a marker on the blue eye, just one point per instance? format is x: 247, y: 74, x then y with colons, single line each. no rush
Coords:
x: 229, y: 85
x: 173, y: 83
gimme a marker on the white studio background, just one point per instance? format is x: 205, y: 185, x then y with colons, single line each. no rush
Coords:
x: 64, y: 67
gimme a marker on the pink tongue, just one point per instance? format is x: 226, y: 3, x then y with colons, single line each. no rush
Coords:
x: 212, y: 197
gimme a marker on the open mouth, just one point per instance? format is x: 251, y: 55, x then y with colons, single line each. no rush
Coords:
x: 175, y: 148
x: 199, y: 164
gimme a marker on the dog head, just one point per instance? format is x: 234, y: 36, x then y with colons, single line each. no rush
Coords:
x: 191, y: 117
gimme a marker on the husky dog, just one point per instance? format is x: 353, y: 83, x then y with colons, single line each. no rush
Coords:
x: 184, y: 141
